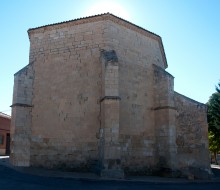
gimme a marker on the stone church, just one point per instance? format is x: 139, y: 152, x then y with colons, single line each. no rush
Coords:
x: 95, y: 96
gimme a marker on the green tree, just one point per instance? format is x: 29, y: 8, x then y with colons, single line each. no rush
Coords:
x: 213, y: 117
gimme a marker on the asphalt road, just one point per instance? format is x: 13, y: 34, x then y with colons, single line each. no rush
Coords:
x: 12, y: 179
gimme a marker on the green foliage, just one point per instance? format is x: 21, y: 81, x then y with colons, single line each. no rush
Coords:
x: 213, y: 117
x: 214, y: 142
x: 214, y: 112
x: 218, y: 88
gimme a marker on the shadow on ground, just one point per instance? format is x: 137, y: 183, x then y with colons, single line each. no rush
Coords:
x: 4, y: 161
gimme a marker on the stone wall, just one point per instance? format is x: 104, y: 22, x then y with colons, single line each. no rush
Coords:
x: 21, y: 116
x: 136, y: 55
x: 192, y: 137
x: 73, y: 52
x: 101, y: 99
x: 67, y: 91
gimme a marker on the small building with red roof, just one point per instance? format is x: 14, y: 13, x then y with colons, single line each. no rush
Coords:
x: 5, y: 122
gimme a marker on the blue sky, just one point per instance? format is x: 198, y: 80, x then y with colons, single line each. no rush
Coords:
x: 190, y: 30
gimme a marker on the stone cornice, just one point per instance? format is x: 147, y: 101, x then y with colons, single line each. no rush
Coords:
x: 102, y: 17
x: 21, y: 105
x: 156, y: 67
x: 164, y: 107
x: 110, y: 98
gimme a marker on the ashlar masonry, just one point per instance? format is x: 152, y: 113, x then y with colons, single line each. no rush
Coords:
x: 95, y: 96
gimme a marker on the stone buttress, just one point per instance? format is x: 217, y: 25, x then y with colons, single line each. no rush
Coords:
x: 110, y: 151
x: 21, y: 117
x: 165, y: 114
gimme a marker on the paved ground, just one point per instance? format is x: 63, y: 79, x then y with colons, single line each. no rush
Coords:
x: 38, y: 179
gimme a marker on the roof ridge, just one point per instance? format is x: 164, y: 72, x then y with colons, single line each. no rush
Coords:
x: 81, y: 18
x: 5, y: 115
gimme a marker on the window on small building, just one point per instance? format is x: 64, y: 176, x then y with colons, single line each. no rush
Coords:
x: 1, y: 139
